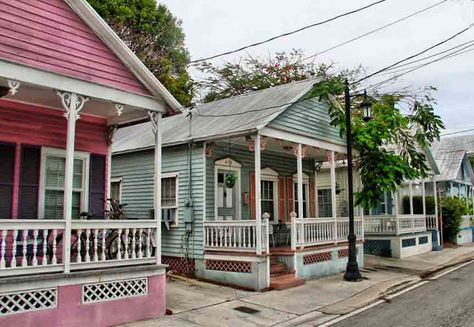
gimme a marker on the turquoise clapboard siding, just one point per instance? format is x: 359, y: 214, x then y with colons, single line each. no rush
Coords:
x: 284, y: 164
x: 136, y: 171
x: 309, y: 118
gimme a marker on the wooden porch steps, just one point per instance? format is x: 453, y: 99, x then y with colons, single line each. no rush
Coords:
x: 280, y: 277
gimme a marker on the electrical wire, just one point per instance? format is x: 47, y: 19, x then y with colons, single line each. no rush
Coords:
x: 395, y: 69
x: 287, y: 33
x: 412, y: 56
x: 373, y: 31
x: 459, y: 132
x: 353, y: 83
x: 454, y: 54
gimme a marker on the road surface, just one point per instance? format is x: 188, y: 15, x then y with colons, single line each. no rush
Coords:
x: 445, y: 302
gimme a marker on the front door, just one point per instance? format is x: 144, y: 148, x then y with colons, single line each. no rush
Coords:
x: 226, y: 197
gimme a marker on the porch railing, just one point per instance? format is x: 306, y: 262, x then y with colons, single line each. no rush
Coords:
x: 235, y: 235
x: 411, y: 223
x: 37, y: 246
x: 318, y: 231
x: 431, y: 222
x: 395, y: 225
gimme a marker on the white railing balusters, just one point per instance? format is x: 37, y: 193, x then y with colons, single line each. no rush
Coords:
x: 78, y: 246
x: 95, y: 247
x: 3, y: 253
x: 34, y: 250
x: 44, y: 260
x: 24, y: 244
x: 87, y: 233
x: 14, y: 249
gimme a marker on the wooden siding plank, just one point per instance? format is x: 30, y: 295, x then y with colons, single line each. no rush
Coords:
x: 309, y: 118
x: 136, y: 170
x: 74, y: 50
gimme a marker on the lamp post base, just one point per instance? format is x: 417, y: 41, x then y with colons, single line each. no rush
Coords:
x: 352, y: 272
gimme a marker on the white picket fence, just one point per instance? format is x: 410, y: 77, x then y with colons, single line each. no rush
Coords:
x: 36, y: 246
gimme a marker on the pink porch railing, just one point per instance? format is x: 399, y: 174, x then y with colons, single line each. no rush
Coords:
x: 36, y: 246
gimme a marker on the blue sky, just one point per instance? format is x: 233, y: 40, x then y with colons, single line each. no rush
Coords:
x: 214, y: 26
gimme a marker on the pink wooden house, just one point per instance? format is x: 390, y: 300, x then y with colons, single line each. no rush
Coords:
x: 66, y: 83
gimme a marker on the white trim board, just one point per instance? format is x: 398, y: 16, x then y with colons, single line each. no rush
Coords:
x: 296, y: 138
x: 42, y: 78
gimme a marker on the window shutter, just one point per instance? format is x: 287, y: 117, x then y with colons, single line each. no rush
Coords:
x: 281, y: 199
x: 97, y: 185
x: 289, y: 190
x: 252, y: 196
x: 29, y: 182
x: 7, y: 169
x: 312, y: 202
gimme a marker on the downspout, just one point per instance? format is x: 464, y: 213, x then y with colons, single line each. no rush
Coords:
x: 189, y: 212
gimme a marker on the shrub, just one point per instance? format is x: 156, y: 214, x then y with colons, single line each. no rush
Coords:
x: 453, y: 208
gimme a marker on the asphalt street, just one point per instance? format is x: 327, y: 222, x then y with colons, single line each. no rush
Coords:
x: 447, y: 301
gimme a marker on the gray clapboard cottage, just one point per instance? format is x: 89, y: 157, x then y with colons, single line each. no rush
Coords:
x: 238, y: 194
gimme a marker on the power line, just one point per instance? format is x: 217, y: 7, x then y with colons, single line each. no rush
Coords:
x: 358, y: 81
x: 287, y: 33
x: 373, y: 31
x: 391, y: 71
x: 459, y: 132
x: 412, y: 56
x: 450, y: 55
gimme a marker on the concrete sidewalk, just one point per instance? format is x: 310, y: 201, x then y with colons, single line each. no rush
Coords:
x: 196, y: 303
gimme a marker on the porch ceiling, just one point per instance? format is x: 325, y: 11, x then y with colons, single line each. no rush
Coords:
x: 98, y: 107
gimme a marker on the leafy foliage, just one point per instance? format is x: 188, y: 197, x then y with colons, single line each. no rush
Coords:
x: 252, y: 74
x: 453, y: 209
x: 390, y: 146
x: 155, y: 36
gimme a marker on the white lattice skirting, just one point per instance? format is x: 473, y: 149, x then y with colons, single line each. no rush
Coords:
x: 25, y: 301
x: 107, y: 291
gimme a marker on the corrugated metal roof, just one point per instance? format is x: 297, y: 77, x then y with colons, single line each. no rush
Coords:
x: 459, y: 142
x: 449, y: 163
x: 231, y: 116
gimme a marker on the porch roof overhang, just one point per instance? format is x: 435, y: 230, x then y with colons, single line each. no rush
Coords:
x: 39, y: 87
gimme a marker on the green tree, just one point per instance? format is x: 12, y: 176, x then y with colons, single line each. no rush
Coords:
x: 390, y: 145
x: 155, y: 35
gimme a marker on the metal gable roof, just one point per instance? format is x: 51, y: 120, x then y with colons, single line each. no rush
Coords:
x: 232, y: 116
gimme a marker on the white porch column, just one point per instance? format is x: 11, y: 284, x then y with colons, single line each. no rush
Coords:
x: 258, y: 195
x: 332, y: 160
x: 72, y: 104
x: 423, y: 196
x: 410, y: 187
x: 435, y: 191
x: 316, y: 204
x: 299, y: 164
x: 110, y: 135
x: 395, y: 209
x: 155, y: 118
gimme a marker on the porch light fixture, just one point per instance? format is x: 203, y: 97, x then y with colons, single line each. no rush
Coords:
x: 366, y: 107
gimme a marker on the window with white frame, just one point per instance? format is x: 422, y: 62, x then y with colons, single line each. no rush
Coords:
x: 53, y: 163
x: 305, y: 194
x: 169, y: 197
x: 324, y: 203
x: 116, y: 189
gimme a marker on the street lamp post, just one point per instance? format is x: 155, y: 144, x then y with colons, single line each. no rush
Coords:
x: 352, y: 270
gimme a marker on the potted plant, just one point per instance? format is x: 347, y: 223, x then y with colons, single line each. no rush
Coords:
x: 230, y: 180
